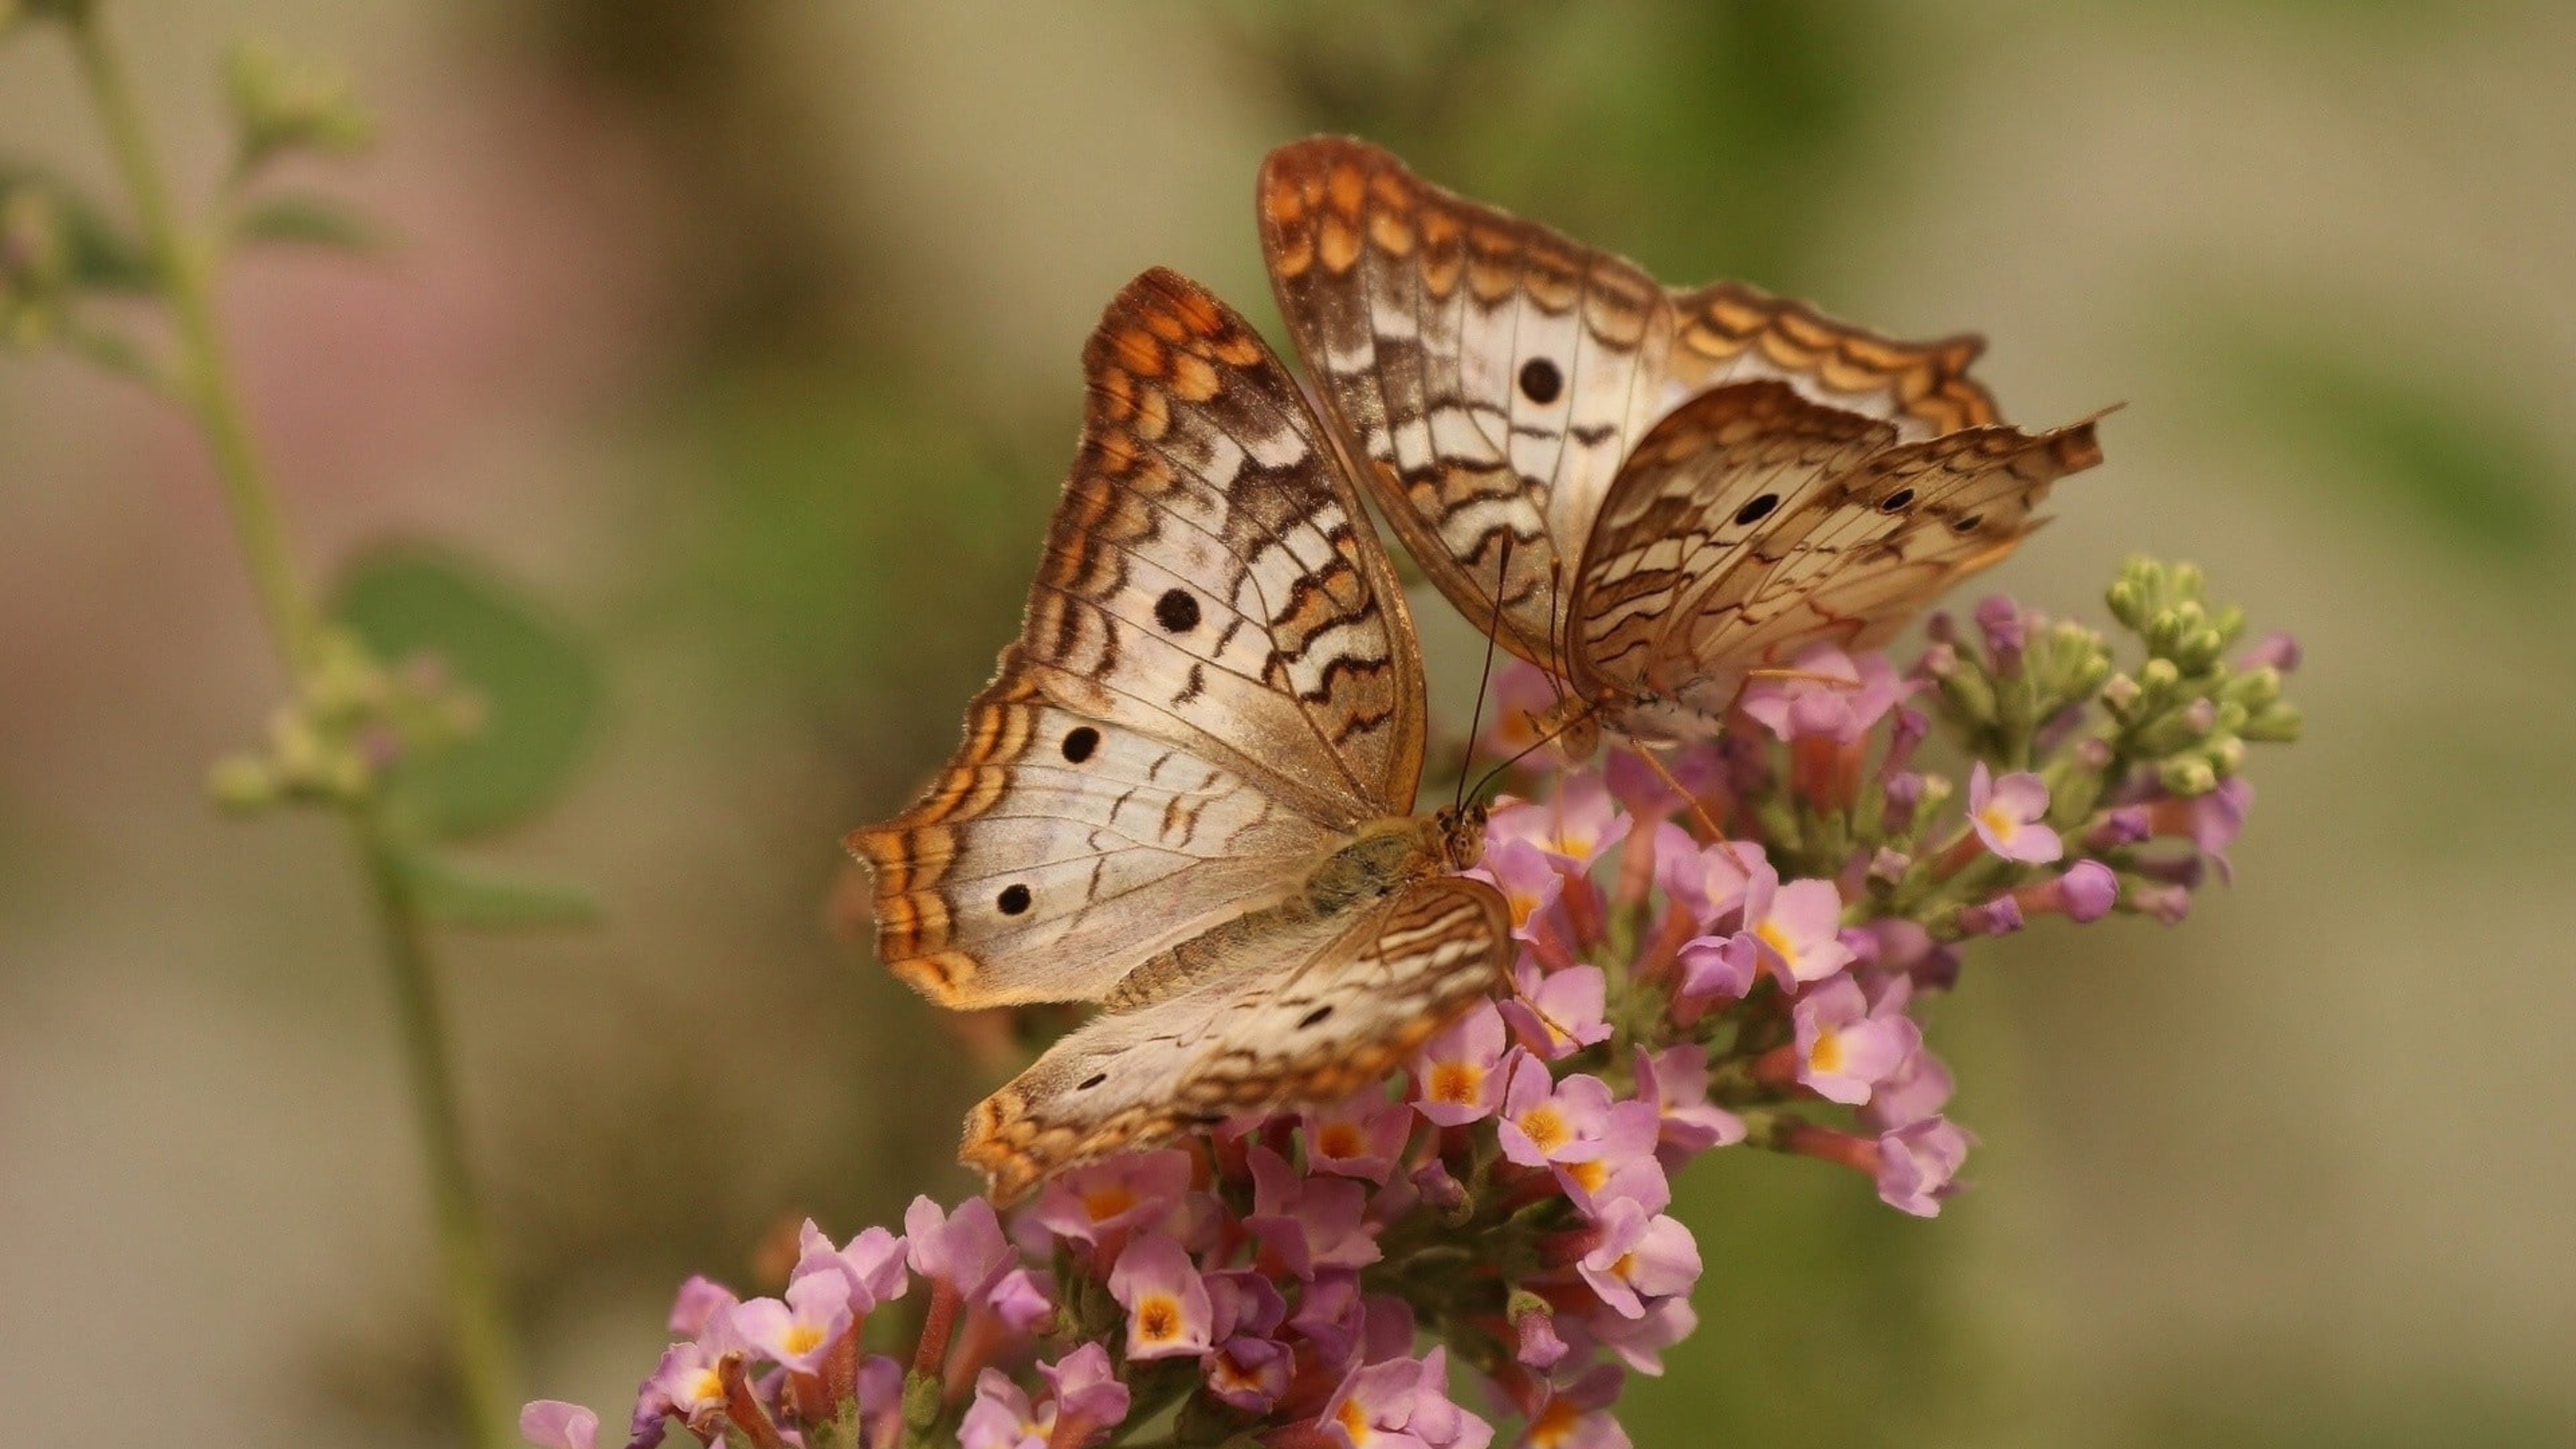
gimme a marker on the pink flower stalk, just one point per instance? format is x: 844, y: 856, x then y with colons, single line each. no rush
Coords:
x: 1846, y: 1048
x: 554, y: 1424
x: 1459, y: 1077
x: 2008, y: 816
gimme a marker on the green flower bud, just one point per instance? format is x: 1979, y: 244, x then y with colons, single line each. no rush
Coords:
x: 287, y: 104
x: 2187, y: 775
x: 2275, y: 724
x: 242, y: 784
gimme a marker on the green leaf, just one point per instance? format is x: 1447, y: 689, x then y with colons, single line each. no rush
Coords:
x: 482, y: 900
x: 2434, y: 457
x: 306, y: 220
x: 100, y: 254
x: 542, y: 694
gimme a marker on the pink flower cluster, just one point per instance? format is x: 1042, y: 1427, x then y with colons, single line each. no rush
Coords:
x: 1724, y: 944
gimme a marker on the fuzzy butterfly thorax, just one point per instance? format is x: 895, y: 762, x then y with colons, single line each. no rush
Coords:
x: 1186, y: 794
x: 1649, y: 492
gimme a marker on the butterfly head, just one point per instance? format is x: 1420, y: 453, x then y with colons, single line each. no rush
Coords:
x: 1459, y: 835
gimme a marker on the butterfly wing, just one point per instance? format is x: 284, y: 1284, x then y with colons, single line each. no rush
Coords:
x: 1486, y: 374
x: 1215, y: 680
x: 1489, y: 376
x: 1331, y: 1006
x: 1752, y: 523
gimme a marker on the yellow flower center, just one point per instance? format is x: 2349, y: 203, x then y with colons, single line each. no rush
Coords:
x: 801, y: 1338
x: 1522, y: 907
x: 1354, y: 1421
x: 1107, y: 1200
x: 1458, y: 1083
x: 705, y: 1388
x: 1338, y: 1139
x: 1158, y: 1318
x: 1554, y: 1425
x: 1545, y: 1126
x: 1590, y: 1174
x: 1626, y: 1265
x: 1770, y: 934
x: 1827, y: 1054
x: 2002, y: 826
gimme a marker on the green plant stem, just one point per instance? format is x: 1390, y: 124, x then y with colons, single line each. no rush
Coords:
x: 484, y: 1350
x: 205, y: 378
x: 482, y: 1342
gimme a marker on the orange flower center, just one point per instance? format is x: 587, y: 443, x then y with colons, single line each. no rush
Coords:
x: 1158, y: 1319
x: 1107, y: 1200
x: 1338, y: 1139
x: 1458, y: 1083
x: 1545, y: 1126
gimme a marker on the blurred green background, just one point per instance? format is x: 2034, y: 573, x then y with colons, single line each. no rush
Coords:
x: 744, y: 338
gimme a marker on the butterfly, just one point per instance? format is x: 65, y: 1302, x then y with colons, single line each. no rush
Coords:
x: 1651, y: 493
x: 1187, y: 794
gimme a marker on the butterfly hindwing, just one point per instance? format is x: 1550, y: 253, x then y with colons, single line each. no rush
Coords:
x: 1310, y: 1009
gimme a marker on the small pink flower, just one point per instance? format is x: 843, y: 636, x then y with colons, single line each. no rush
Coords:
x: 1523, y: 695
x: 1019, y: 1299
x: 1001, y: 1416
x: 1640, y: 1342
x: 1359, y: 1137
x: 1676, y: 1081
x: 1168, y: 1315
x: 1709, y: 882
x: 2086, y: 892
x: 872, y: 1262
x: 1798, y: 926
x: 1646, y: 791
x: 1311, y: 1223
x: 1639, y: 1257
x: 554, y: 1424
x: 1250, y: 1373
x: 688, y: 1384
x: 1402, y: 1403
x: 1459, y: 1076
x: 1577, y: 1415
x: 1714, y: 968
x: 1531, y: 885
x: 1918, y: 1165
x: 1918, y: 1089
x: 1090, y: 1203
x: 964, y: 1249
x: 1574, y: 828
x: 1329, y: 1315
x: 2008, y: 815
x: 699, y: 1301
x: 1544, y: 1119
x: 1535, y: 1341
x: 1845, y: 1049
x: 795, y: 1333
x: 1844, y: 698
x: 1087, y: 1394
x: 1557, y: 1015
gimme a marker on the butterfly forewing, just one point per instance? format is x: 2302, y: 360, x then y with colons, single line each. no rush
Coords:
x: 1497, y: 379
x: 1215, y: 681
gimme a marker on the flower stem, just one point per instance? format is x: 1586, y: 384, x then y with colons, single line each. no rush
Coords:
x: 480, y: 1331
x: 205, y: 379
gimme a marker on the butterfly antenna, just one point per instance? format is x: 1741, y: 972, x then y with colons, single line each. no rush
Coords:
x: 1476, y: 721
